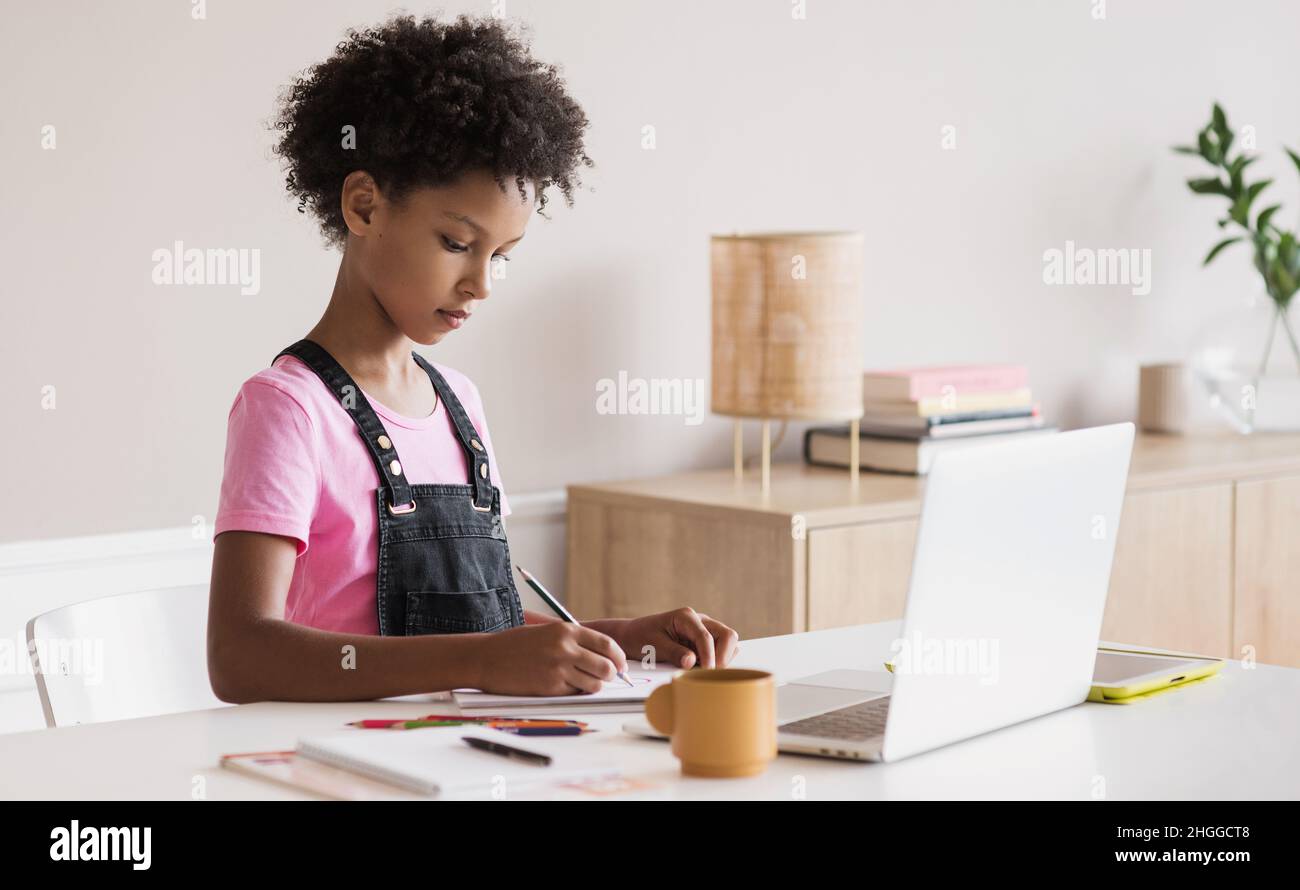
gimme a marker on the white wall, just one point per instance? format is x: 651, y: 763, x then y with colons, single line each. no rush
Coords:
x: 1063, y: 124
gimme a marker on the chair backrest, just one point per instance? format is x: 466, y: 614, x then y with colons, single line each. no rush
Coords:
x: 131, y: 655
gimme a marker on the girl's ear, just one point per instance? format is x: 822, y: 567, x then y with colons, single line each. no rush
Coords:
x: 360, y: 198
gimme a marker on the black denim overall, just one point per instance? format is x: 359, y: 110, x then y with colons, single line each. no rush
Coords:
x: 444, y: 564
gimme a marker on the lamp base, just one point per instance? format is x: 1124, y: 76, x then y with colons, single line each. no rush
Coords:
x: 738, y: 455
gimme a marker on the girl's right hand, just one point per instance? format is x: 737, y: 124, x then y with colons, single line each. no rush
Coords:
x: 556, y: 658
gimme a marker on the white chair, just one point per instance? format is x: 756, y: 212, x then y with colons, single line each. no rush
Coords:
x: 117, y: 657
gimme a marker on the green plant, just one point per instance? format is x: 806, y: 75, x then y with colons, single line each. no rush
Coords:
x: 1277, y: 252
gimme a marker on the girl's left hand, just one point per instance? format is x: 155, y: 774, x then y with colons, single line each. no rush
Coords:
x: 682, y: 637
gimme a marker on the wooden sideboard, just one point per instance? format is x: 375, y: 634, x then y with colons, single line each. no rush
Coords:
x: 1207, y: 560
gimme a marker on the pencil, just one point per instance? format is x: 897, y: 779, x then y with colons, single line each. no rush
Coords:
x: 420, y: 724
x: 555, y: 605
x: 453, y: 718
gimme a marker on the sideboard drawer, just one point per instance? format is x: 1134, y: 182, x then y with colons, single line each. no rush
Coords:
x: 630, y: 561
x: 1171, y: 582
x: 1266, y: 614
x: 858, y: 574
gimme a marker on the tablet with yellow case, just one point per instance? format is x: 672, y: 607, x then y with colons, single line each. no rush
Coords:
x: 1123, y: 676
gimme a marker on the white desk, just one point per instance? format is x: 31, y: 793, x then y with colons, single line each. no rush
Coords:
x: 1233, y: 737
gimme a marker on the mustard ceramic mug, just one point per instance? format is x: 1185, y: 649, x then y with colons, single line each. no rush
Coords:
x: 722, y: 721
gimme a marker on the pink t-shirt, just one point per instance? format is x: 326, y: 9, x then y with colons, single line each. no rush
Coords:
x: 296, y: 466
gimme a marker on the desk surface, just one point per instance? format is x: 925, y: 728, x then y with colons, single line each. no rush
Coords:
x: 1232, y: 737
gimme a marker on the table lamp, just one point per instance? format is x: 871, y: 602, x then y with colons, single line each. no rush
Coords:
x: 787, y: 314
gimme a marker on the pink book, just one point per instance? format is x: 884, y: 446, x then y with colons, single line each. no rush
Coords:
x: 914, y: 384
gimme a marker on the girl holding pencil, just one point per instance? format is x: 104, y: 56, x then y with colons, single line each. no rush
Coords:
x: 360, y: 551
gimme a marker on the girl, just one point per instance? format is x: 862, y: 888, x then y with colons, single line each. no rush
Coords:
x: 360, y: 551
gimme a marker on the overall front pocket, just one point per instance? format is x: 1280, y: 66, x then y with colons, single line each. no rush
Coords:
x: 457, y: 612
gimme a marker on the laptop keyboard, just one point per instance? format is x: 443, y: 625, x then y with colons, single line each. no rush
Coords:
x: 859, y: 722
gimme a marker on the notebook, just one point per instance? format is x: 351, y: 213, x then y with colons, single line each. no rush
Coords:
x: 295, y: 771
x: 436, y: 761
x: 616, y: 697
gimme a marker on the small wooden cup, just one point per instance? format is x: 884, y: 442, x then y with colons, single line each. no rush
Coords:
x: 1163, y: 398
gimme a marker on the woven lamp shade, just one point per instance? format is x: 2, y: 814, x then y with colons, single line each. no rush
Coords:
x: 787, y: 313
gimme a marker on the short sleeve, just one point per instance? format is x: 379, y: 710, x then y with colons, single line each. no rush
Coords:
x: 272, y: 476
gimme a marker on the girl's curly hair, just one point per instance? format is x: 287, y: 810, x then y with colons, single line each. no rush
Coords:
x: 428, y: 101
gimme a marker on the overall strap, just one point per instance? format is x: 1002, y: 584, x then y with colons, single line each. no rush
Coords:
x: 368, y: 423
x: 476, y: 454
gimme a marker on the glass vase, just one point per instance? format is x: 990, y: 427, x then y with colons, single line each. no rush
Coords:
x: 1246, y: 361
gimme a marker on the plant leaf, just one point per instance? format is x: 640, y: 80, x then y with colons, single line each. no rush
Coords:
x: 1240, y: 211
x: 1223, y: 134
x: 1254, y: 189
x: 1295, y: 158
x: 1265, y: 215
x: 1286, y: 251
x: 1225, y: 142
x: 1234, y: 176
x: 1185, y: 150
x: 1235, y: 169
x: 1218, y: 119
x: 1214, y: 251
x: 1212, y: 186
x: 1206, y: 147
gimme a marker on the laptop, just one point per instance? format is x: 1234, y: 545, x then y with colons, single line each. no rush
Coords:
x: 1004, y: 608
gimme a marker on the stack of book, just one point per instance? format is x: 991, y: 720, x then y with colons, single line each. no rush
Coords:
x: 913, y: 414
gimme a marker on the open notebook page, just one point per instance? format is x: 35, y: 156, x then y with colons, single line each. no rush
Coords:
x: 644, y: 681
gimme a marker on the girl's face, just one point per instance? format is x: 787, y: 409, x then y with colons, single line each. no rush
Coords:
x: 429, y: 258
